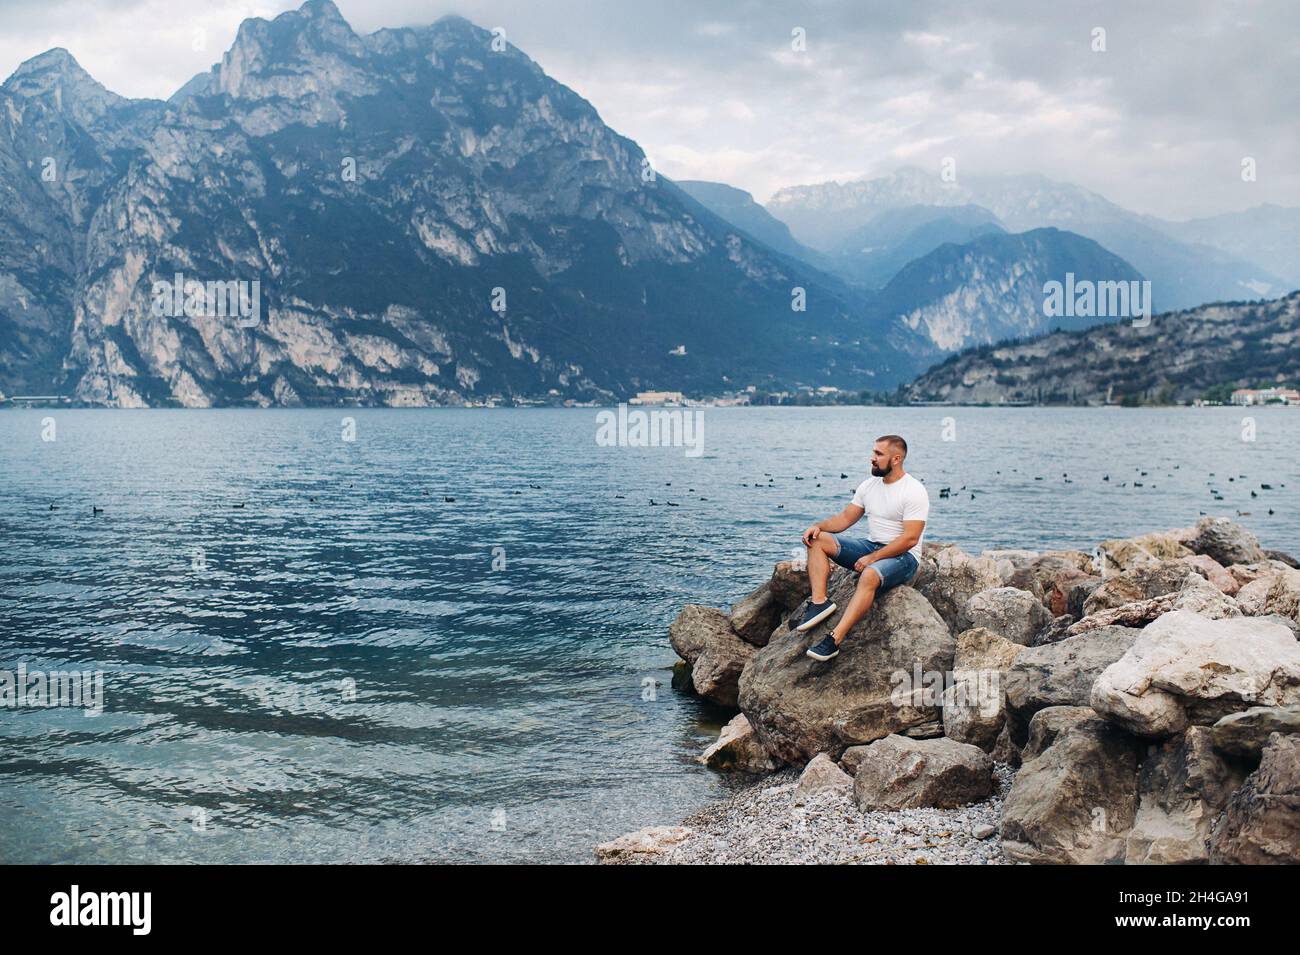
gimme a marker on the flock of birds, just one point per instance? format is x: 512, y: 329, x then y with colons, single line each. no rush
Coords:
x: 945, y: 493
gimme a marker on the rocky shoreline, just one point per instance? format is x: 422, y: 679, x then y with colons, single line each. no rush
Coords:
x: 1139, y: 705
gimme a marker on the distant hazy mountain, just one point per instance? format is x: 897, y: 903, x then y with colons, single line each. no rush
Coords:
x: 739, y: 208
x: 1178, y: 356
x: 381, y: 189
x: 1267, y: 234
x: 1182, y: 273
x: 991, y: 288
x: 874, y: 253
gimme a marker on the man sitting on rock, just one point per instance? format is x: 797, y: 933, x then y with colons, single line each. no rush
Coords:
x: 896, y: 505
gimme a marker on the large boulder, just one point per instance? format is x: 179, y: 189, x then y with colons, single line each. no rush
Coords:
x: 789, y: 584
x: 1038, y: 572
x: 974, y: 706
x: 738, y: 749
x: 819, y: 776
x: 1051, y: 722
x: 702, y: 636
x: 754, y: 617
x: 800, y: 707
x: 1074, y: 802
x: 1244, y: 735
x: 1261, y: 824
x: 901, y: 773
x: 1197, y: 595
x: 1226, y: 542
x: 1181, y: 788
x: 1214, y: 572
x: 1284, y: 595
x: 642, y: 845
x: 1154, y: 579
x: 1070, y: 589
x: 1132, y: 552
x: 1016, y: 615
x: 1282, y: 557
x: 1247, y: 573
x: 953, y: 577
x: 1055, y: 631
x: 1186, y: 669
x: 1060, y: 674
x: 1252, y: 597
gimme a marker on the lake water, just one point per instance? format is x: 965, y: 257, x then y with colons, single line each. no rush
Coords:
x: 351, y: 668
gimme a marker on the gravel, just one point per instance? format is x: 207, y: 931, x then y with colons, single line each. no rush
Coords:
x: 762, y: 825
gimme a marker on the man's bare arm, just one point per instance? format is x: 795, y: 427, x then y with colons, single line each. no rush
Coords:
x: 899, y: 545
x: 833, y: 525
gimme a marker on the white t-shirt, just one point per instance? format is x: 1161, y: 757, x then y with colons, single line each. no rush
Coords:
x: 888, y: 505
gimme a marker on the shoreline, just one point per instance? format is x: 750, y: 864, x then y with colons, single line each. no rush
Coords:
x: 768, y: 823
x: 1139, y: 704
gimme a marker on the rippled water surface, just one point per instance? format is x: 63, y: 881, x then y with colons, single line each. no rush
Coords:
x: 349, y: 667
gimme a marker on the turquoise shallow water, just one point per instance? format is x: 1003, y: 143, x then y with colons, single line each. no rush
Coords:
x: 381, y: 674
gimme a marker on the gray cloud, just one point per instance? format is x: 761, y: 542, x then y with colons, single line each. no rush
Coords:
x: 1159, y: 122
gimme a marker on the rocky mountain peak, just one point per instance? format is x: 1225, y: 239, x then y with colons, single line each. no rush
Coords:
x: 299, y: 54
x: 56, y: 80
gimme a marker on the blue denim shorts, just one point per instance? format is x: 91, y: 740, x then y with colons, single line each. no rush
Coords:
x: 893, y: 570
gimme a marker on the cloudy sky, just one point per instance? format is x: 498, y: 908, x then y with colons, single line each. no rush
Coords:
x: 1159, y: 122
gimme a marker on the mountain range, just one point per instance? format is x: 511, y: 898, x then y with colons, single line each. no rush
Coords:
x: 1177, y: 356
x: 423, y: 216
x: 430, y: 220
x: 1247, y: 254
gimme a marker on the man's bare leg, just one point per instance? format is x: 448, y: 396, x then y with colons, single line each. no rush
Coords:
x: 819, y: 565
x: 863, y: 597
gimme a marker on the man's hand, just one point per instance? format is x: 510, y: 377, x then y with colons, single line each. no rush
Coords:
x: 810, y: 535
x: 863, y: 562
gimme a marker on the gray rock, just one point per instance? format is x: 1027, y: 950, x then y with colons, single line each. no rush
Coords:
x: 1226, y: 542
x: 1181, y: 788
x: 1284, y: 595
x: 930, y: 730
x: 1186, y: 669
x: 1197, y: 595
x: 1075, y: 802
x: 1214, y: 572
x: 1261, y: 824
x: 642, y: 844
x: 953, y: 577
x: 1283, y: 557
x: 1005, y: 749
x: 1245, y: 734
x: 1055, y: 631
x: 1016, y: 615
x: 800, y: 707
x: 900, y: 773
x: 702, y: 636
x: 974, y: 707
x: 1129, y: 553
x: 1069, y: 590
x: 754, y: 617
x: 789, y: 584
x: 821, y: 774
x: 739, y: 750
x: 1143, y: 582
x: 1047, y: 724
x: 1060, y: 674
x: 1253, y: 596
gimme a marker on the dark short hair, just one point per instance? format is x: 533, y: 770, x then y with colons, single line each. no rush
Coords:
x: 895, y: 440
